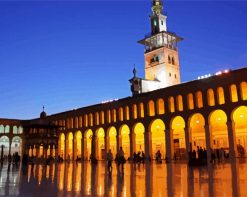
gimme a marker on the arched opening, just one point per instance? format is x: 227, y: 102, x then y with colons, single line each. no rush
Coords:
x: 1, y: 129
x: 69, y: 146
x: 210, y: 97
x: 220, y: 96
x: 112, y: 136
x: 141, y: 110
x: 90, y: 119
x: 157, y: 128
x: 88, y: 144
x: 239, y: 117
x: 234, y: 93
x: 20, y: 130
x: 190, y: 101
x: 78, y: 144
x: 15, y: 130
x: 85, y: 120
x: 178, y: 136
x: 151, y: 108
x: 114, y: 117
x: 199, y: 102
x: 61, y: 145
x: 180, y: 103
x: 134, y: 111
x: 100, y: 144
x: 125, y: 139
x: 120, y: 114
x: 171, y: 104
x: 138, y: 131
x: 108, y: 116
x: 160, y: 106
x: 127, y: 116
x: 16, y: 145
x: 197, y: 132
x: 218, y: 130
x: 97, y: 118
x: 4, y: 142
x: 6, y: 130
x: 102, y: 117
x: 243, y: 89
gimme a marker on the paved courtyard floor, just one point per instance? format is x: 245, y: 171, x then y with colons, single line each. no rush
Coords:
x: 161, y: 180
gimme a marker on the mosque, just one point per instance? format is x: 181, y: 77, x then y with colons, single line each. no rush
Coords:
x: 162, y: 113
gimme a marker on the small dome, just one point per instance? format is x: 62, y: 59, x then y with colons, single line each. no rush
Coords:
x: 43, y: 114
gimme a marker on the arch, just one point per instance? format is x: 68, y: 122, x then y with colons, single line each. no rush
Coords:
x: 218, y: 130
x: 120, y: 114
x: 78, y: 144
x: 88, y: 143
x: 127, y: 116
x: 220, y: 96
x: 160, y: 106
x: 6, y: 129
x: 108, y: 116
x: 151, y: 108
x: 80, y: 121
x: 100, y: 144
x: 199, y: 101
x: 76, y: 122
x: 4, y: 140
x: 177, y: 126
x: 16, y: 145
x: 61, y: 145
x: 102, y: 117
x: 138, y: 137
x: 157, y: 129
x: 243, y: 90
x: 1, y: 129
x: 97, y: 118
x: 171, y: 104
x: 141, y: 110
x: 197, y: 131
x: 125, y: 139
x: 179, y: 103
x: 239, y: 117
x: 112, y: 138
x: 20, y: 130
x: 114, y: 116
x: 15, y: 130
x: 210, y: 97
x: 90, y: 119
x: 69, y: 146
x: 233, y: 93
x: 190, y: 101
x: 85, y: 120
x: 134, y: 111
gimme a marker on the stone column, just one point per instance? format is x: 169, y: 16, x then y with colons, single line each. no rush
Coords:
x: 187, y: 141
x: 74, y: 155
x: 132, y: 144
x: 208, y: 136
x: 148, y: 144
x: 93, y: 145
x: 169, y: 144
x: 232, y: 141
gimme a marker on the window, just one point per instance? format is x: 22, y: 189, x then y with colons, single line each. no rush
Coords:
x: 160, y: 107
x: 175, y: 76
x: 210, y: 94
x: 190, y: 101
x: 170, y: 74
x: 162, y: 22
x: 151, y: 109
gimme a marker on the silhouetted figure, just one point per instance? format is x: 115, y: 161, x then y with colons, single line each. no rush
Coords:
x: 109, y: 158
x: 158, y: 157
x: 121, y: 160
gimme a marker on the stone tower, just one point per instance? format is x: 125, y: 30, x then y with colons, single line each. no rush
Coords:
x: 161, y: 52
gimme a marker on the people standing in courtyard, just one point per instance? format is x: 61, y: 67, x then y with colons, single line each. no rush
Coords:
x: 121, y: 160
x: 109, y: 158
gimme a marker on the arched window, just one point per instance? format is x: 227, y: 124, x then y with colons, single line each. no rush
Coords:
x: 190, y: 101
x: 134, y: 111
x: 171, y: 104
x: 1, y: 129
x: 210, y: 97
x: 141, y: 110
x: 85, y: 120
x: 102, y: 117
x: 71, y: 123
x: 220, y: 96
x: 20, y: 130
x: 108, y: 116
x: 76, y: 122
x: 97, y: 118
x: 113, y: 112
x: 234, y: 93
x: 6, y: 129
x: 127, y: 113
x: 169, y: 59
x: 243, y: 89
x: 15, y: 131
x: 151, y: 108
x: 199, y: 102
x: 180, y: 103
x: 173, y: 61
x: 160, y: 106
x: 120, y: 114
x: 90, y: 119
x: 80, y: 122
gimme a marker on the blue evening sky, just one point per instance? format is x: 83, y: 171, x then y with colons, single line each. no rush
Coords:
x: 70, y: 54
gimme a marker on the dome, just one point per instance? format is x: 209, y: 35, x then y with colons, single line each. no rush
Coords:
x: 43, y: 114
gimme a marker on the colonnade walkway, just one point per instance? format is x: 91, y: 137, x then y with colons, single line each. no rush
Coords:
x: 84, y: 179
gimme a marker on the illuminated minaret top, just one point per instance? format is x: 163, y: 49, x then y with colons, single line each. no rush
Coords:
x: 162, y: 67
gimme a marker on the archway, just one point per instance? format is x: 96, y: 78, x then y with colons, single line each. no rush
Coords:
x: 88, y: 143
x: 112, y: 137
x: 125, y: 139
x: 239, y: 117
x: 78, y: 138
x: 69, y: 147
x: 4, y: 142
x: 138, y: 131
x: 61, y: 145
x: 218, y: 130
x: 178, y: 136
x: 197, y: 131
x: 100, y: 144
x: 16, y: 145
x: 157, y: 128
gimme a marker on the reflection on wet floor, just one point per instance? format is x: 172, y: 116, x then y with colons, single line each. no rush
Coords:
x: 84, y: 179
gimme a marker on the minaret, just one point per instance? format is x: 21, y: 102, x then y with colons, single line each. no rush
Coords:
x: 161, y: 52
